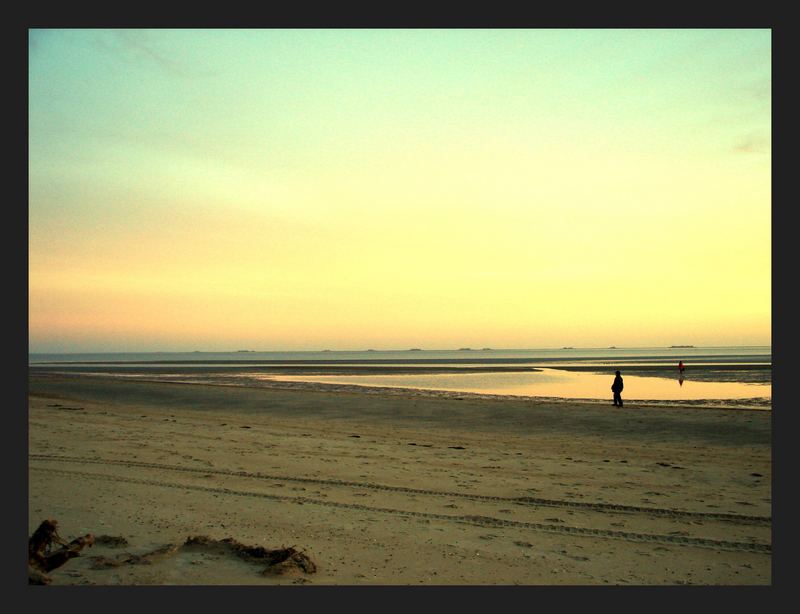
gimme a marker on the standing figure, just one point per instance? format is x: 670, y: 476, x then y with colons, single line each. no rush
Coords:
x: 616, y: 388
x: 681, y: 367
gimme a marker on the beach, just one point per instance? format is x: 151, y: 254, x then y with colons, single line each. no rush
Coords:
x: 395, y: 488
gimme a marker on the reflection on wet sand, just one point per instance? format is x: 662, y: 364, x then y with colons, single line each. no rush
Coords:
x: 554, y: 383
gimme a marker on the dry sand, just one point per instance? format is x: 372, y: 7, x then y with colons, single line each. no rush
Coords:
x: 397, y: 489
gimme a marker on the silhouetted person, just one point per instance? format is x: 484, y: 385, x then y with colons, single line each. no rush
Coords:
x: 616, y: 388
x: 681, y: 367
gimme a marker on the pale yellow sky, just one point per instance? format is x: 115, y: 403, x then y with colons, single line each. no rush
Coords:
x: 391, y: 189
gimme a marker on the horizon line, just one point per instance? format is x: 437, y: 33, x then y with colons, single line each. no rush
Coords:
x: 462, y: 349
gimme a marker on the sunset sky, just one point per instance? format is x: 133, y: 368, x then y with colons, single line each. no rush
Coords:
x: 387, y: 189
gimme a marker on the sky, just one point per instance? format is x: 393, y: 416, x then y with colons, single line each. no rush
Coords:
x: 386, y: 189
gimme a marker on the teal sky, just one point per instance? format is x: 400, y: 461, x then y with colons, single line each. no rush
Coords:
x: 335, y: 188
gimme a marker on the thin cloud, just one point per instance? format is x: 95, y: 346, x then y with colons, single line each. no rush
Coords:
x: 752, y: 145
x: 762, y: 90
x: 143, y: 45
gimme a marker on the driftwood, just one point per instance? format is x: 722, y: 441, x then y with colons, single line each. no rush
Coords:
x: 42, y: 558
x: 276, y: 562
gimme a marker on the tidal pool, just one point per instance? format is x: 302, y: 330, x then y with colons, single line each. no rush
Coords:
x: 553, y: 383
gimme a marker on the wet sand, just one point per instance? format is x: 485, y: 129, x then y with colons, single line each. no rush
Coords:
x: 398, y: 488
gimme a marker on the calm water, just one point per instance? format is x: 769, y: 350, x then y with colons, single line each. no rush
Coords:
x: 616, y: 355
x: 375, y: 368
x: 553, y: 383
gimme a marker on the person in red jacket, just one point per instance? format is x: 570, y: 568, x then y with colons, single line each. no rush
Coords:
x: 680, y: 367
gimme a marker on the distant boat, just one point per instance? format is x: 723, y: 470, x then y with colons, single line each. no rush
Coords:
x: 612, y: 347
x: 415, y: 350
x: 568, y: 347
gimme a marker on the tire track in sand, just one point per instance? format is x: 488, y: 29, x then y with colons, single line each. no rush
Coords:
x: 483, y: 521
x: 534, y: 501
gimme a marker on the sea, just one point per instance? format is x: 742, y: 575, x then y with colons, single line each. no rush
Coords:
x: 733, y: 376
